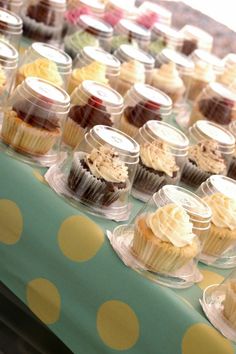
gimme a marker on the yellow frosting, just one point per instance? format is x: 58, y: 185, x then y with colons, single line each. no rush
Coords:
x: 95, y: 71
x: 223, y: 210
x: 133, y: 72
x: 44, y: 69
x: 172, y: 224
x: 168, y: 76
x: 2, y: 77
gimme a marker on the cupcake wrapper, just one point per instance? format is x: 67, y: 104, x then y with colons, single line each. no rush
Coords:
x: 148, y: 182
x: 128, y: 128
x: 72, y: 133
x: 163, y: 259
x: 194, y: 176
x: 229, y: 310
x: 26, y: 138
x: 232, y: 169
x: 218, y: 241
x: 89, y: 189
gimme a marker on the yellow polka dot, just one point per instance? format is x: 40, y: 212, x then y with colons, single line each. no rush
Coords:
x: 117, y: 325
x: 11, y: 222
x: 204, y: 339
x: 209, y: 278
x: 44, y: 300
x: 80, y: 238
x: 39, y: 177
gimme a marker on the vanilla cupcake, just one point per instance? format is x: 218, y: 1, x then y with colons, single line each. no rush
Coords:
x: 42, y: 68
x: 164, y: 240
x: 95, y: 71
x: 222, y: 234
x: 229, y: 309
x: 168, y: 80
x: 202, y: 75
x: 131, y: 72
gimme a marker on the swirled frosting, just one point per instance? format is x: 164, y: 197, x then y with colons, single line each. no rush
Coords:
x: 43, y: 68
x: 171, y: 224
x: 206, y: 155
x: 133, y: 72
x: 223, y: 210
x: 158, y: 156
x: 94, y: 71
x: 204, y: 72
x: 167, y: 76
x: 105, y: 163
x: 79, y: 40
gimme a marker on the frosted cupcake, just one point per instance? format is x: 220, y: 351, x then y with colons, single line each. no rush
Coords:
x: 168, y: 80
x: 99, y: 177
x: 42, y: 68
x: 229, y: 309
x: 222, y: 234
x: 131, y: 72
x: 95, y: 71
x: 164, y: 240
x: 75, y: 42
x: 202, y: 75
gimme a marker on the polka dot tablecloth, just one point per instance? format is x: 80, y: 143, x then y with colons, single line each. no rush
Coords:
x: 58, y: 261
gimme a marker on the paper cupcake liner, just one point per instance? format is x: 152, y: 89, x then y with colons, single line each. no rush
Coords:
x: 162, y: 257
x: 90, y: 189
x: 232, y: 169
x: 193, y: 175
x: 73, y: 133
x: 128, y: 128
x: 218, y: 240
x: 148, y: 182
x: 175, y: 95
x: 25, y: 138
x: 229, y: 310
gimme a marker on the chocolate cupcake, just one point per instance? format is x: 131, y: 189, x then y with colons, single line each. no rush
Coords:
x: 189, y: 45
x: 98, y: 178
x: 204, y: 160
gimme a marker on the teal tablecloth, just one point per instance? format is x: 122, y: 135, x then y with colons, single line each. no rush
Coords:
x: 58, y: 261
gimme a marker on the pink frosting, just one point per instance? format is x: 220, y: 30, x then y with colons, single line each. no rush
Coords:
x: 148, y: 20
x: 114, y: 16
x: 72, y: 16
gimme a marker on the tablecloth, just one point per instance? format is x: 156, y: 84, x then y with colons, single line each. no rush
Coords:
x: 58, y: 261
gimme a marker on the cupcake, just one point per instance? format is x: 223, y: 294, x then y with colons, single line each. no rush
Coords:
x: 131, y: 72
x: 222, y: 234
x: 229, y: 310
x: 95, y: 71
x: 99, y: 178
x: 168, y: 80
x: 42, y: 68
x: 157, y: 167
x: 164, y: 241
x: 75, y: 42
x: 204, y: 160
x: 202, y: 75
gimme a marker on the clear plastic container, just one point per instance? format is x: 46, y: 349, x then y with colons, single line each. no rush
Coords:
x: 163, y: 241
x: 43, y: 20
x: 195, y: 38
x: 129, y: 32
x: 218, y: 303
x: 32, y: 122
x: 219, y: 248
x: 95, y: 64
x: 210, y: 153
x: 216, y: 103
x: 144, y: 103
x: 92, y: 103
x: 163, y: 154
x: 164, y: 36
x: 8, y: 66
x: 228, y: 76
x: 149, y: 13
x: 99, y: 174
x: 12, y: 5
x: 128, y: 53
x: 46, y: 62
x: 89, y: 31
x: 116, y: 10
x: 10, y: 27
x: 232, y: 167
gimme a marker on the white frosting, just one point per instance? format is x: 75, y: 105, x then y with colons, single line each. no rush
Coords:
x: 132, y: 71
x: 167, y: 76
x: 204, y: 71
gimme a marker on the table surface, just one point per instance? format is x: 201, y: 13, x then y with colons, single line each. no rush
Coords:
x: 59, y: 262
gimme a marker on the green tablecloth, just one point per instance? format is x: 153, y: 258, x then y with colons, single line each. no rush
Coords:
x: 59, y: 262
